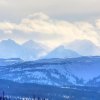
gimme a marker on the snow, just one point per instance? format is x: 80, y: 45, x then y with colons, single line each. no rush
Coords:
x: 54, y: 73
x: 36, y: 74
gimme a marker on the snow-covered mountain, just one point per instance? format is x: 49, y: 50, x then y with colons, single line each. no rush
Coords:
x: 28, y: 51
x: 84, y: 47
x: 9, y: 49
x: 62, y: 52
x: 32, y: 50
x: 35, y: 49
x: 59, y: 72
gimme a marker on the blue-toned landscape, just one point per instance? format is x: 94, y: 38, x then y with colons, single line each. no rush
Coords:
x: 60, y: 74
x: 49, y: 49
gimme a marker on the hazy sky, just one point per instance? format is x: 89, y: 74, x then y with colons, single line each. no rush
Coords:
x: 50, y: 21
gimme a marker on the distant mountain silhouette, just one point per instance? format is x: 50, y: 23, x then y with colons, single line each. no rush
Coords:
x: 62, y: 52
x: 84, y: 47
x: 30, y: 50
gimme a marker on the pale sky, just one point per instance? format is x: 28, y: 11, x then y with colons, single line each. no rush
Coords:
x: 52, y: 22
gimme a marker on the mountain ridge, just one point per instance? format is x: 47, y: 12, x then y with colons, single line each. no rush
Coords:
x: 10, y: 49
x: 84, y: 47
x: 58, y: 72
x: 62, y: 52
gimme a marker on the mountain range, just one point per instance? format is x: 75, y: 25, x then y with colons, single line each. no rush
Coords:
x: 57, y: 72
x: 74, y: 49
x: 62, y: 52
x: 32, y: 50
x: 70, y: 69
x: 84, y: 47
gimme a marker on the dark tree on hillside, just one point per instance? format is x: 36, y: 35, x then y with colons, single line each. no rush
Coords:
x: 38, y: 98
x: 0, y: 98
x: 3, y: 96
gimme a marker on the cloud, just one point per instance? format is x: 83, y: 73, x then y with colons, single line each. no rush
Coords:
x: 6, y: 27
x: 3, y: 3
x: 52, y: 31
x: 98, y: 23
x: 14, y: 10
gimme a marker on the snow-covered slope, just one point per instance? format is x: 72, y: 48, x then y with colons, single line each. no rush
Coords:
x: 62, y: 52
x: 60, y: 72
x: 84, y: 47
